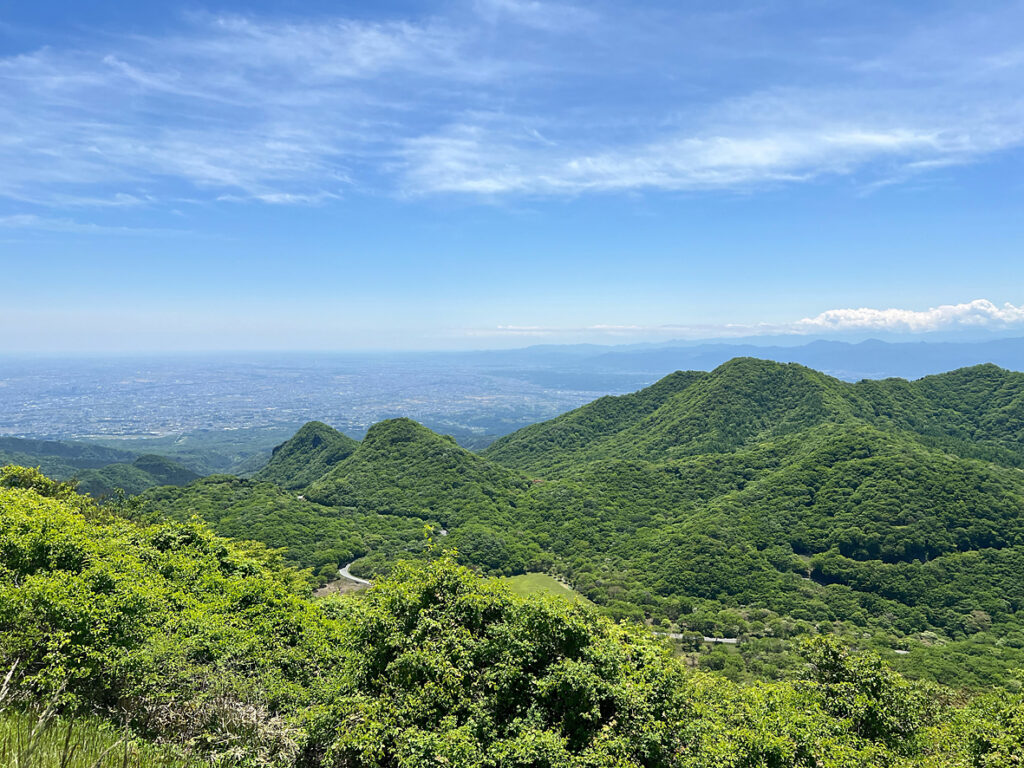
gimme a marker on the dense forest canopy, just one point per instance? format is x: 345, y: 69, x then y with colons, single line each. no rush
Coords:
x: 98, y: 470
x: 759, y: 501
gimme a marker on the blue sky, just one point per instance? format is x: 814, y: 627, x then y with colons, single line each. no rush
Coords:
x: 484, y: 173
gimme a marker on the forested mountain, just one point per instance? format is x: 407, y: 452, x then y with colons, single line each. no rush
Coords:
x: 100, y: 471
x: 403, y: 468
x: 975, y: 411
x: 313, y: 450
x: 213, y: 648
x: 58, y: 458
x: 760, y: 500
x: 147, y: 471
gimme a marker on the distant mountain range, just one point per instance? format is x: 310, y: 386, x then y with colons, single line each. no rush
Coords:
x: 850, y: 361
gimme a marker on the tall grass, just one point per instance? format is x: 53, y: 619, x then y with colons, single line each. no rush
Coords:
x: 40, y: 739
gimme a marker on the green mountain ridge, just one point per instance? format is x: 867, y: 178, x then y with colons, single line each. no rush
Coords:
x: 759, y: 500
x: 99, y: 470
x: 749, y: 400
x: 308, y: 534
x: 59, y: 458
x: 307, y: 456
x: 147, y: 471
x: 403, y: 468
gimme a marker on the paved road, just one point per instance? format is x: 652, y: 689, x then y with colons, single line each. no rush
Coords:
x: 680, y: 636
x: 346, y: 575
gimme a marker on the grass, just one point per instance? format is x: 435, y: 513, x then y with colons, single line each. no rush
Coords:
x: 541, y: 584
x: 39, y: 740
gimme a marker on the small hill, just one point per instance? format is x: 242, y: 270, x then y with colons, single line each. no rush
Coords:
x: 307, y: 456
x: 147, y: 471
x: 403, y: 468
x: 59, y: 458
x: 742, y: 401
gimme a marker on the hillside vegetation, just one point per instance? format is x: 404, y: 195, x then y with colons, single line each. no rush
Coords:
x: 307, y: 534
x: 759, y: 501
x: 99, y: 471
x: 307, y: 456
x: 214, y: 648
x: 977, y: 412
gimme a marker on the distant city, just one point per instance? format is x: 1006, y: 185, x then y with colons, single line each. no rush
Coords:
x: 156, y: 397
x: 474, y: 396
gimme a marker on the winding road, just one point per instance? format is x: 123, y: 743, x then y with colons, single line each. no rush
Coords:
x: 346, y: 575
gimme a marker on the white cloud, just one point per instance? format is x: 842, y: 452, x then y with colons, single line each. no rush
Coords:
x: 469, y: 160
x: 977, y: 314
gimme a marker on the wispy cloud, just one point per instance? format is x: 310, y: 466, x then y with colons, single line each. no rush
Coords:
x: 467, y: 159
x: 977, y: 314
x: 502, y: 97
x: 34, y: 223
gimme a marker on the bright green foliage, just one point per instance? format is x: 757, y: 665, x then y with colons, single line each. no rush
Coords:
x: 213, y: 646
x: 190, y: 634
x: 307, y: 456
x: 13, y: 476
x: 879, y: 704
x: 446, y: 670
x: 309, y: 535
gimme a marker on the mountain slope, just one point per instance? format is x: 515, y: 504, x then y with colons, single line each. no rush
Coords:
x: 147, y: 471
x: 310, y: 535
x: 99, y: 470
x: 741, y: 401
x: 58, y: 458
x: 976, y: 412
x: 307, y: 456
x: 403, y: 468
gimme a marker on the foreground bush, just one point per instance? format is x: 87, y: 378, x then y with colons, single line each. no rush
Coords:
x: 215, y: 646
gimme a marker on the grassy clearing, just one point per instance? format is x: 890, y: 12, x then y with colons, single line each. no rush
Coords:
x: 31, y: 740
x: 541, y: 584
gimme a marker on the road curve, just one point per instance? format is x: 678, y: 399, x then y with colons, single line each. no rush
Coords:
x: 346, y: 575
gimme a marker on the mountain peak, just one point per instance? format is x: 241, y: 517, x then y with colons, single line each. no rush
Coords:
x: 308, y: 454
x: 402, y: 430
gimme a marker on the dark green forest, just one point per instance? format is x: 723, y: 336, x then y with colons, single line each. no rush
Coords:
x: 98, y: 470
